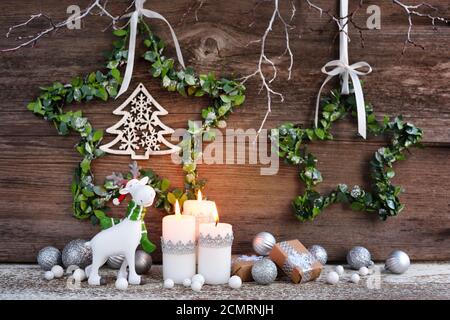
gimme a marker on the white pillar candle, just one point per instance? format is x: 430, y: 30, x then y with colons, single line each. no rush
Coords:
x: 202, y: 210
x: 214, y: 252
x: 178, y: 246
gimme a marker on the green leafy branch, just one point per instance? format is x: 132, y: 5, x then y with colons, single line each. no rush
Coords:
x: 89, y: 200
x: 292, y: 146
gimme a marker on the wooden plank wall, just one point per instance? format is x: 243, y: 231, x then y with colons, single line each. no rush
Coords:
x: 36, y: 164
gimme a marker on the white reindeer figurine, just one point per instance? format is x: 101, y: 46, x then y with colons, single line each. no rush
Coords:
x: 124, y: 237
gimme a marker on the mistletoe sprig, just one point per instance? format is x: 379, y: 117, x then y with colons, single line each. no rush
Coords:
x: 89, y: 200
x: 383, y: 199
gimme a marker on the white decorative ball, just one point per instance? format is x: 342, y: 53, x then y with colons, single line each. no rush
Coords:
x: 332, y: 278
x: 198, y: 278
x: 355, y: 278
x: 58, y: 271
x: 363, y: 271
x: 187, y: 282
x: 121, y: 284
x: 48, y: 275
x: 235, y: 282
x: 79, y: 275
x: 169, y: 284
x: 196, y: 286
x: 339, y: 270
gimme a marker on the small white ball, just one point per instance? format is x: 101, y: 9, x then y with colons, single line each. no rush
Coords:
x: 235, y: 282
x: 339, y: 270
x: 332, y: 278
x: 198, y: 278
x: 58, y: 271
x: 355, y: 278
x: 79, y: 275
x: 121, y: 284
x: 363, y: 271
x: 168, y: 284
x: 196, y: 286
x: 48, y: 275
x: 187, y: 282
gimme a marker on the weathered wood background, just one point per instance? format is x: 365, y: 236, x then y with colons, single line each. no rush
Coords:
x: 36, y: 164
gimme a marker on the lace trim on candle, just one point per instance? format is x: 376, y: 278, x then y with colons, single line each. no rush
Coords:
x: 177, y: 248
x: 217, y: 242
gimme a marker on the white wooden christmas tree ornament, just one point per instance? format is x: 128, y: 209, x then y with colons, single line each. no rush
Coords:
x: 140, y: 132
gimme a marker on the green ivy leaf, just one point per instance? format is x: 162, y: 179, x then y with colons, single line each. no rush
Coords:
x: 102, y: 94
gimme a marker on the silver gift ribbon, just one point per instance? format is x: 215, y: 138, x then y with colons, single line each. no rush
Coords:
x: 345, y: 70
x: 295, y: 259
x: 134, y: 18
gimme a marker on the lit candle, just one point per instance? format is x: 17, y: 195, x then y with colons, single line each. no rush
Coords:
x: 202, y: 210
x: 214, y: 251
x: 178, y: 246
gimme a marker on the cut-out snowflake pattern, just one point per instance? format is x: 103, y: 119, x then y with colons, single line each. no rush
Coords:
x: 140, y: 129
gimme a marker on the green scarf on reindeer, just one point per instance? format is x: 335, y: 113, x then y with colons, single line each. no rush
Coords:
x: 135, y: 212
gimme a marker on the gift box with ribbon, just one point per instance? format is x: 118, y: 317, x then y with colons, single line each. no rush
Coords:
x: 241, y: 265
x: 296, y: 261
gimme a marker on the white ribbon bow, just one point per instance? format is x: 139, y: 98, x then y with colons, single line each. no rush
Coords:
x: 134, y: 18
x: 342, y: 68
x: 345, y: 71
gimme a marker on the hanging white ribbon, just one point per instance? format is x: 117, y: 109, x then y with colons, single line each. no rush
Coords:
x: 341, y: 67
x: 134, y: 19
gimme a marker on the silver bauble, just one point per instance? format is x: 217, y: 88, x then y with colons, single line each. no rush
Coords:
x: 264, y: 271
x: 359, y: 257
x: 397, y: 262
x: 75, y: 252
x: 49, y: 257
x: 263, y: 243
x: 143, y: 262
x: 319, y: 253
x: 114, y: 262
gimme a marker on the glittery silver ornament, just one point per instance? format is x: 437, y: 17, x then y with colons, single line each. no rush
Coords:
x: 75, y: 252
x: 49, y: 257
x: 264, y: 271
x: 263, y: 243
x: 143, y: 262
x: 397, y: 262
x: 359, y: 257
x: 114, y: 262
x: 319, y: 253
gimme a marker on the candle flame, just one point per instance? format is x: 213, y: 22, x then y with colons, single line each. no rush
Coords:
x: 177, y: 209
x: 199, y: 196
x: 216, y: 215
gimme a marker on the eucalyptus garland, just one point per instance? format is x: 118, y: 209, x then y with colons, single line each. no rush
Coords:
x: 383, y: 200
x: 90, y: 200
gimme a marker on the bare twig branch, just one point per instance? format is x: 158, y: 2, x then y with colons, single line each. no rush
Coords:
x: 32, y: 39
x: 410, y: 10
x: 264, y: 59
x: 413, y: 10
